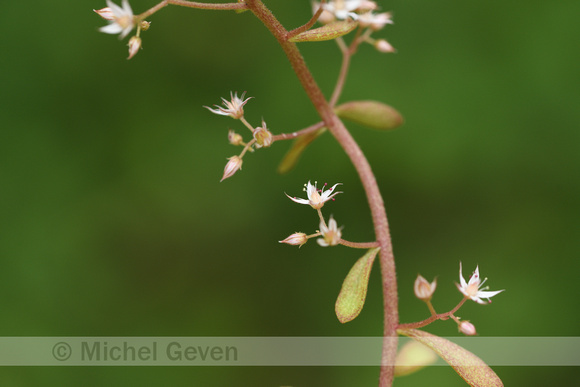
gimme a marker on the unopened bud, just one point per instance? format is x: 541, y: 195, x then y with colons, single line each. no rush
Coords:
x: 234, y: 164
x: 105, y: 13
x: 296, y: 239
x: 134, y: 46
x: 467, y: 328
x: 263, y: 136
x: 383, y: 46
x: 145, y: 25
x: 235, y: 138
x: 325, y: 17
x: 423, y: 289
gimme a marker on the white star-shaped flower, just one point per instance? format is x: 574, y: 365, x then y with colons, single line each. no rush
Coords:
x: 316, y: 198
x: 342, y: 9
x: 233, y: 108
x: 473, y: 290
x: 330, y: 235
x: 122, y: 19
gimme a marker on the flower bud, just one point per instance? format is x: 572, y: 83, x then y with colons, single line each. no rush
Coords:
x: 325, y: 17
x: 145, y: 25
x: 235, y: 138
x: 467, y: 328
x: 296, y: 239
x: 232, y: 167
x: 423, y: 289
x: 383, y: 46
x: 134, y: 46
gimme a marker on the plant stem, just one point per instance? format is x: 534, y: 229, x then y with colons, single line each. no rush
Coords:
x: 302, y: 132
x: 351, y: 148
x: 192, y: 4
x: 434, y: 317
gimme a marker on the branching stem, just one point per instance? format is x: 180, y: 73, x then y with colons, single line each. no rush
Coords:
x: 351, y: 148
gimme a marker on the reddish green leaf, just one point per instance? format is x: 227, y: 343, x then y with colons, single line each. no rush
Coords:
x: 300, y: 144
x: 352, y: 295
x: 373, y: 114
x: 470, y: 367
x: 327, y: 32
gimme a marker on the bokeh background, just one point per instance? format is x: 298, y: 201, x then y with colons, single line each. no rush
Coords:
x: 114, y: 222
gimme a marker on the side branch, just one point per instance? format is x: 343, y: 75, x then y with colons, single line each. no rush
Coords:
x: 193, y: 4
x: 302, y: 132
x: 308, y: 25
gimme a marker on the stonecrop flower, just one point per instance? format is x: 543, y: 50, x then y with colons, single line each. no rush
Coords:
x: 121, y: 19
x: 342, y: 9
x: 233, y: 108
x: 423, y: 289
x: 316, y: 198
x: 330, y: 235
x: 473, y: 290
x: 375, y: 21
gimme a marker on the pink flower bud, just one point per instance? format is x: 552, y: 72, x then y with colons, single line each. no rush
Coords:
x: 235, y: 138
x: 232, y: 167
x: 423, y: 289
x: 383, y: 46
x: 134, y: 46
x: 296, y: 239
x: 467, y: 328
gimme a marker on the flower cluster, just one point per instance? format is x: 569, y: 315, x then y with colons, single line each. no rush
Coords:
x: 262, y: 137
x: 122, y: 21
x: 361, y: 11
x: 471, y: 290
x: 331, y: 234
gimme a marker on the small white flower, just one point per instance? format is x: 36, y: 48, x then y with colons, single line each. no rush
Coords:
x: 375, y: 21
x: 342, y: 9
x: 330, y: 235
x: 472, y: 289
x: 315, y: 199
x: 122, y: 19
x: 423, y: 289
x: 233, y: 108
x: 262, y: 136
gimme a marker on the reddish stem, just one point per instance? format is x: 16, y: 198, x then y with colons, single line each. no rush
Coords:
x: 351, y: 148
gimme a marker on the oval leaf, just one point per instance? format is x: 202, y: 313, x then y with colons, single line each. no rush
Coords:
x: 412, y: 357
x: 372, y: 114
x: 300, y: 144
x: 327, y: 32
x: 354, y: 288
x: 470, y: 367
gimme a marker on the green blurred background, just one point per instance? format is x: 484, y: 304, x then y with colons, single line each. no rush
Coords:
x: 114, y: 222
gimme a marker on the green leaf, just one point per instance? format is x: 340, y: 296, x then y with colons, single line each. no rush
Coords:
x: 373, y: 114
x: 470, y: 367
x: 354, y: 288
x: 327, y: 32
x: 300, y: 144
